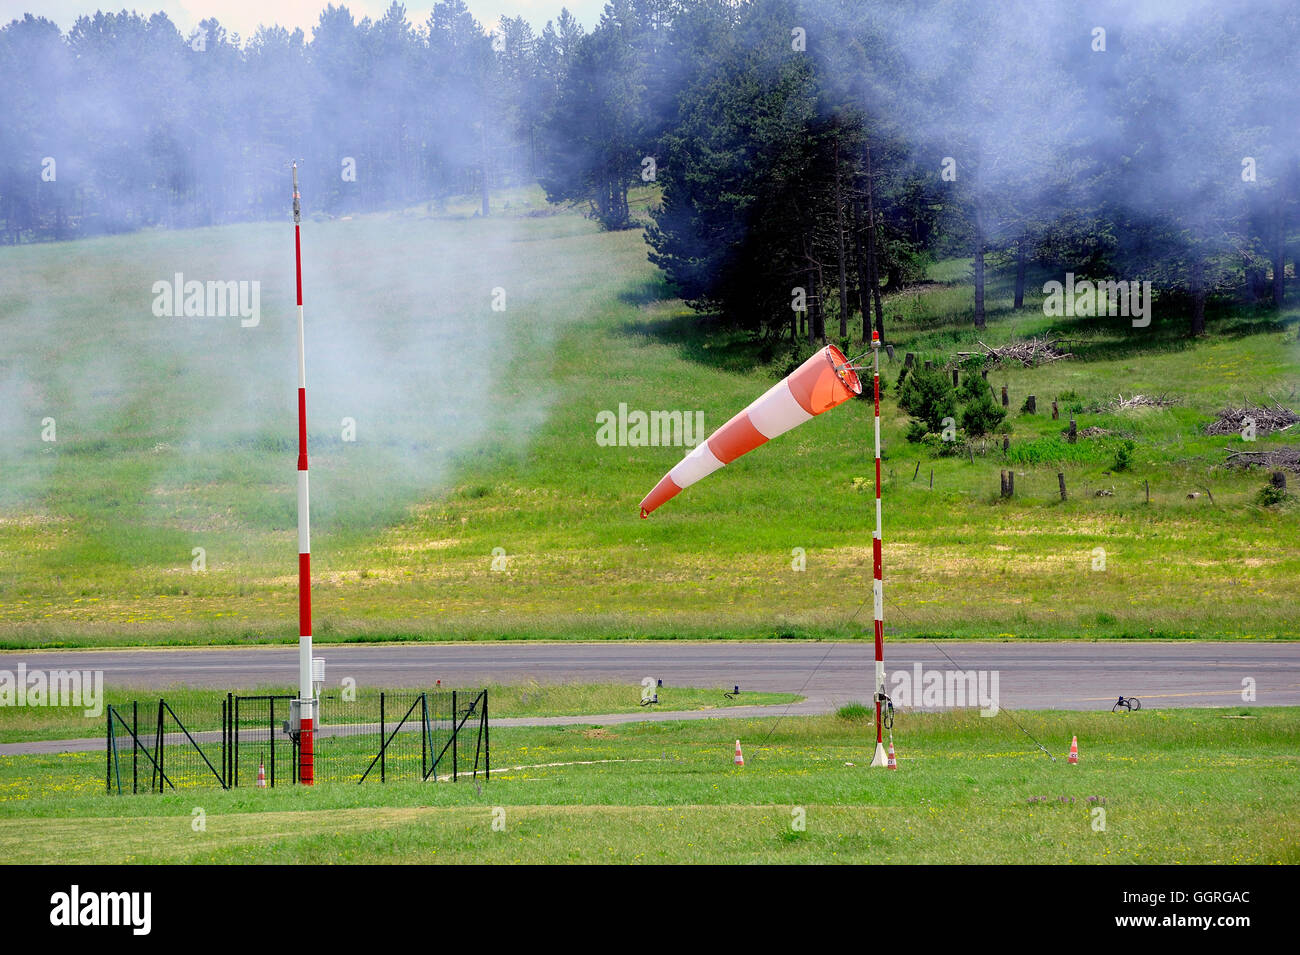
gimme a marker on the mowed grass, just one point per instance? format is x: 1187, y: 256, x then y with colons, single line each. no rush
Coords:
x: 201, y: 707
x: 1174, y: 786
x: 476, y: 502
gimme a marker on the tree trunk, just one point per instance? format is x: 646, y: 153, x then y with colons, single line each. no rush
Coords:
x: 1019, y: 303
x: 483, y: 175
x: 839, y: 248
x: 873, y: 258
x: 1279, y: 258
x: 979, y: 272
x: 1198, y: 297
x: 860, y: 268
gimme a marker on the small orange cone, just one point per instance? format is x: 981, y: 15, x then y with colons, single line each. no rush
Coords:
x: 1074, y: 751
x: 740, y: 759
x: 261, y: 775
x: 893, y: 762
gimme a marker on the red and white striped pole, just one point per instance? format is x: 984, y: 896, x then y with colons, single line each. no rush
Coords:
x: 306, y: 762
x: 878, y: 583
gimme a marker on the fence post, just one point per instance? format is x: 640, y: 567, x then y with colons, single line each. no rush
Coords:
x: 230, y: 738
x: 454, y: 735
x: 135, y: 746
x: 1060, y: 478
x: 383, y: 735
x: 1006, y: 400
x: 161, y: 746
x: 487, y: 740
x: 108, y: 751
x: 270, y: 704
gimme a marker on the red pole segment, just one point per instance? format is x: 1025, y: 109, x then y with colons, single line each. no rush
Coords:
x: 306, y: 714
x: 878, y: 581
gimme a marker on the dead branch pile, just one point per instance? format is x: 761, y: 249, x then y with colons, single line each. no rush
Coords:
x: 1288, y: 458
x: 1267, y: 418
x: 1036, y: 351
x: 1120, y: 403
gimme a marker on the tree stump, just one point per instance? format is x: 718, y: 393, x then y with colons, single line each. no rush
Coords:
x: 1006, y: 444
x: 1006, y: 401
x: 928, y: 364
x: 1073, y: 435
x: 954, y: 377
x: 909, y: 360
x: 1278, y: 480
x: 1056, y: 412
x: 1031, y: 405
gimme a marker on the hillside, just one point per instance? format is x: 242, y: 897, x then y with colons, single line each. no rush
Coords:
x: 477, y: 503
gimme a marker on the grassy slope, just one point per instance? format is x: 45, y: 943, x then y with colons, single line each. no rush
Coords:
x: 95, y: 536
x: 1180, y: 786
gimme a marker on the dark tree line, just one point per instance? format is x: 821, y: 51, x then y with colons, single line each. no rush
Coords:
x: 810, y: 156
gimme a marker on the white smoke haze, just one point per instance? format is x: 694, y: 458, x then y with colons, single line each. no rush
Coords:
x: 400, y: 333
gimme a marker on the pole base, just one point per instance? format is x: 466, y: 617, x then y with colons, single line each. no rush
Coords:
x: 879, y: 759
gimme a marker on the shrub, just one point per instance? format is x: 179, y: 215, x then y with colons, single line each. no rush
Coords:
x: 1271, y: 495
x: 1123, y: 455
x: 982, y: 415
x: 929, y: 397
x: 972, y: 387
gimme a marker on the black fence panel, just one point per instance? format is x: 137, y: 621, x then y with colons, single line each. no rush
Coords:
x: 248, y: 740
x: 263, y: 750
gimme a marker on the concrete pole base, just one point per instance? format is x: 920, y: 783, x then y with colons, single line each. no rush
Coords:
x: 879, y: 759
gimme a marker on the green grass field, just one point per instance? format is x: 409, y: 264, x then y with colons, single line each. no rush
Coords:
x: 1176, y: 786
x: 476, y: 503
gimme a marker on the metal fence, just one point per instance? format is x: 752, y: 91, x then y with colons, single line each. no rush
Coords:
x: 248, y: 741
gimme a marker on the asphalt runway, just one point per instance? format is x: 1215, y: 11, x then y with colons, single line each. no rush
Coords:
x: 1061, y: 675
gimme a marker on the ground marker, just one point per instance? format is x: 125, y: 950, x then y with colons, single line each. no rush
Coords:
x: 1074, y: 751
x: 740, y: 759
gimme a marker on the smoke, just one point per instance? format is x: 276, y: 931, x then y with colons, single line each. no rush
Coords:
x: 1151, y: 107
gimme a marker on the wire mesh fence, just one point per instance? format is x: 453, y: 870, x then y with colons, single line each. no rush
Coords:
x: 249, y: 740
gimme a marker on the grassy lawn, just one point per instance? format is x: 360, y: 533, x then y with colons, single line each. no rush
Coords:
x: 476, y: 503
x: 22, y: 723
x: 1176, y: 786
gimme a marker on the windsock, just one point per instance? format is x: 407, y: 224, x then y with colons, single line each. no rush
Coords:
x: 819, y: 384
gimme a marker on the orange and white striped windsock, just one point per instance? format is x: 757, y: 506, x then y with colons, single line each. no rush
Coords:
x: 819, y: 384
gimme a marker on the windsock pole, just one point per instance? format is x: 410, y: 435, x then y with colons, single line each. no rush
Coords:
x: 878, y: 583
x: 306, y: 762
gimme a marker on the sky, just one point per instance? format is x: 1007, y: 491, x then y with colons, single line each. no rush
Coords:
x: 244, y: 16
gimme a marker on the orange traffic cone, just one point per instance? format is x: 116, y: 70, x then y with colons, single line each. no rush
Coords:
x: 740, y: 759
x: 893, y: 762
x: 261, y: 775
x: 1074, y: 751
